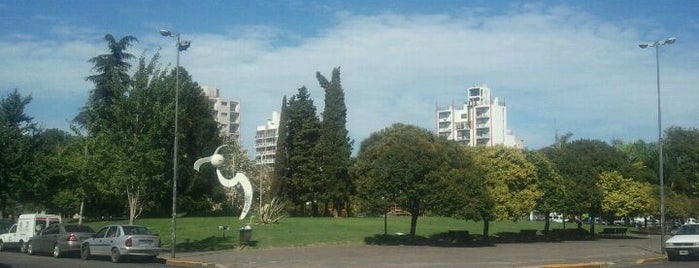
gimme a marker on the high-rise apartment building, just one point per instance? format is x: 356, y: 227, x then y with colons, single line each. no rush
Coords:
x: 478, y: 121
x: 266, y: 141
x: 225, y: 111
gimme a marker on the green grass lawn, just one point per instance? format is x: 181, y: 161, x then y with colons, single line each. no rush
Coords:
x: 203, y: 234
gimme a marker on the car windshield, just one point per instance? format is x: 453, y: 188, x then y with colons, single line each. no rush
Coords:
x: 79, y: 229
x: 689, y: 230
x: 136, y: 230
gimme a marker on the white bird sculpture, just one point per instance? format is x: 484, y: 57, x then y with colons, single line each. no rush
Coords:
x: 216, y: 160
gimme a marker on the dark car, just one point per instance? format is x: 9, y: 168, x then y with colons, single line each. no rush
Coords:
x: 59, y: 239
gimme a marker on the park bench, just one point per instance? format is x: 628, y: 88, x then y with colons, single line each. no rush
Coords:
x: 613, y: 231
x: 458, y: 236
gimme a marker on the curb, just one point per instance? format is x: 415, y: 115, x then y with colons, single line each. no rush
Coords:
x: 649, y: 260
x: 578, y: 265
x: 184, y: 263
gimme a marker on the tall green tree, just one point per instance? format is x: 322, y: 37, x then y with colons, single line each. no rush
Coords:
x: 462, y: 195
x: 304, y: 182
x: 401, y: 164
x: 642, y: 158
x: 621, y: 196
x: 581, y: 162
x: 335, y: 146
x: 111, y: 82
x: 16, y: 148
x: 681, y: 148
x: 199, y: 135
x: 280, y: 175
x: 550, y: 183
x: 511, y: 182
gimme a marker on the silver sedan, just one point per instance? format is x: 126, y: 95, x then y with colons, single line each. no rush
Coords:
x: 59, y: 239
x: 117, y: 241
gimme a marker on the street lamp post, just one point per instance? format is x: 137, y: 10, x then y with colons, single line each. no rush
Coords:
x: 181, y: 46
x: 657, y: 45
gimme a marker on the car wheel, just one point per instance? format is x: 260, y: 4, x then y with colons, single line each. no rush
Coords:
x: 85, y: 252
x: 116, y: 256
x: 23, y: 247
x: 56, y: 251
x: 2, y: 245
x: 30, y: 249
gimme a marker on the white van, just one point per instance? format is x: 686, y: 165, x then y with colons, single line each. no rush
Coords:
x: 27, y: 226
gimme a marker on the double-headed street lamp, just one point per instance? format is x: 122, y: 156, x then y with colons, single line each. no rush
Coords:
x: 181, y: 46
x: 657, y: 45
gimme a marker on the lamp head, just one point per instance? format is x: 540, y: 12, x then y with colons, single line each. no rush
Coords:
x: 165, y: 32
x: 670, y: 40
x: 643, y: 45
x: 184, y: 45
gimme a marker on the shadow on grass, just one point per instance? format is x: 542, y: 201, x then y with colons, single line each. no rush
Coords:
x: 213, y: 243
x: 464, y: 239
x: 438, y: 240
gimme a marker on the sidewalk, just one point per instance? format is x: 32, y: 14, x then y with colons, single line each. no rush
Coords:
x: 608, y: 252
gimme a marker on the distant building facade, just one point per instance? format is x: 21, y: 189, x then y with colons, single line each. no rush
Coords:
x: 225, y: 111
x: 478, y: 121
x: 266, y: 141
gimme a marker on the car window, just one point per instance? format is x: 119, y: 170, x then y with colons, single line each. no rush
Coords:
x: 689, y: 230
x: 13, y: 229
x: 78, y: 229
x: 136, y: 230
x: 51, y: 230
x: 112, y: 232
x: 102, y: 232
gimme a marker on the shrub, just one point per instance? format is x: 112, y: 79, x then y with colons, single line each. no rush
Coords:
x: 272, y: 212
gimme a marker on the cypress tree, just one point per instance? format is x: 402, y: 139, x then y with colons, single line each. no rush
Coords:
x: 281, y: 155
x: 335, y: 146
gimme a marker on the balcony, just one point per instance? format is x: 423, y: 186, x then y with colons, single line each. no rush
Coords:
x: 462, y: 125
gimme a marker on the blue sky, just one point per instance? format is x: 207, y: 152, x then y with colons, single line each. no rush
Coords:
x: 566, y: 66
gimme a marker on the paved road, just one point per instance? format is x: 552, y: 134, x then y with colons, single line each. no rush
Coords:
x: 10, y: 259
x: 616, y: 252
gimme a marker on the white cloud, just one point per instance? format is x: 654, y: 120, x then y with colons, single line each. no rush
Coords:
x: 557, y: 68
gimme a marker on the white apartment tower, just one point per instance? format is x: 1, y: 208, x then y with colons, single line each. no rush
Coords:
x: 225, y: 111
x: 266, y: 141
x: 479, y: 121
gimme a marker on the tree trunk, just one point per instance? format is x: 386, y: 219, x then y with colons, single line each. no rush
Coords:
x: 134, y: 204
x: 413, y: 225
x: 547, y: 222
x: 82, y: 205
x: 486, y: 230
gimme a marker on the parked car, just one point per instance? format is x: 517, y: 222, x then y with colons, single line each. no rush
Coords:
x: 59, y: 239
x: 685, y: 243
x: 118, y: 241
x: 28, y: 225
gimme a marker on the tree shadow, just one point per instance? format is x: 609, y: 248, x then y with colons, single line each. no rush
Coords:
x: 464, y: 239
x: 438, y: 240
x: 213, y: 243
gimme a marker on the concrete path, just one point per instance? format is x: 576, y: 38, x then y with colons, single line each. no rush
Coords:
x: 612, y: 252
